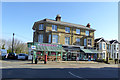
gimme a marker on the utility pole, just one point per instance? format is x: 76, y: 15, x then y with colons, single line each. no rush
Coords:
x: 13, y: 43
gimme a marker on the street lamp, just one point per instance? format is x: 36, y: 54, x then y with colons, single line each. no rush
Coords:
x: 13, y: 42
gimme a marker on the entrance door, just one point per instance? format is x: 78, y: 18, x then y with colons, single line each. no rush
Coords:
x: 68, y: 56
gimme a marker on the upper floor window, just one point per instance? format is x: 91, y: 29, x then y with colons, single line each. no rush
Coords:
x: 77, y: 39
x: 100, y: 45
x: 67, y: 29
x: 114, y: 47
x: 55, y: 39
x: 90, y: 42
x: 49, y: 38
x: 87, y: 33
x: 77, y: 31
x: 54, y: 27
x: 109, y: 47
x: 85, y: 42
x: 40, y: 38
x: 67, y: 40
x: 41, y: 26
x: 103, y: 45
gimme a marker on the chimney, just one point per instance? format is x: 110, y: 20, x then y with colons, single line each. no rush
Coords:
x: 58, y: 17
x: 88, y: 25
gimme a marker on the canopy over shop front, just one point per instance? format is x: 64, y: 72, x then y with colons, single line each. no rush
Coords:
x: 90, y: 51
x: 49, y: 47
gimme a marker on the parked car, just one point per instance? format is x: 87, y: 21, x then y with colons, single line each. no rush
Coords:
x: 22, y: 56
x: 12, y: 56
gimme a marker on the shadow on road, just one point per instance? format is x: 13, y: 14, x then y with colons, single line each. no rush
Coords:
x: 107, y: 73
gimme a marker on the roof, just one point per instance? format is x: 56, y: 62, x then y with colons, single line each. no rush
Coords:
x: 63, y: 23
x: 108, y: 42
x: 114, y: 41
x: 100, y: 40
x: 90, y: 51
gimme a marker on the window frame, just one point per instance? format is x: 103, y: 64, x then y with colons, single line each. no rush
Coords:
x: 54, y: 27
x: 54, y: 38
x: 87, y: 34
x: 68, y: 29
x: 40, y: 38
x: 67, y: 39
x: 41, y: 26
x: 89, y: 42
x: 85, y: 42
x: 77, y: 31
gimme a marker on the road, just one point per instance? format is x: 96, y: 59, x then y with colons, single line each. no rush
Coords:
x: 26, y: 70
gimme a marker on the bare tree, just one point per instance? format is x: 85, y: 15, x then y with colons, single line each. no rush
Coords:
x: 19, y: 46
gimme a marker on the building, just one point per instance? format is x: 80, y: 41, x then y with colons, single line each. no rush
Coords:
x: 114, y: 53
x: 77, y: 40
x: 101, y: 45
x: 107, y: 48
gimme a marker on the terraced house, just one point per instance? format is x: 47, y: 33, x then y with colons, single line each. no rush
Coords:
x: 77, y: 40
x: 108, y: 49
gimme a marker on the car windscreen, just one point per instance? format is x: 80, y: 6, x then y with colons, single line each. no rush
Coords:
x: 21, y: 54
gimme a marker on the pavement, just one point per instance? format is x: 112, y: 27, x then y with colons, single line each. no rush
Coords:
x: 19, y: 69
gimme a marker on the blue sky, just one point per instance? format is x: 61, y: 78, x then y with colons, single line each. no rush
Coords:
x: 19, y: 17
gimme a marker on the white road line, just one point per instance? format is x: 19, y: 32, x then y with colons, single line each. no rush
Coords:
x: 76, y: 76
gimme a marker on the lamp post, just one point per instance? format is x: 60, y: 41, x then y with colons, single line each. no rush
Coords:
x: 13, y: 42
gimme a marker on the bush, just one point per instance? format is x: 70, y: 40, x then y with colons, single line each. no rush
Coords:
x: 110, y: 59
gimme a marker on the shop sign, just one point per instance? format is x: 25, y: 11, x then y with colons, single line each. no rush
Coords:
x: 33, y: 47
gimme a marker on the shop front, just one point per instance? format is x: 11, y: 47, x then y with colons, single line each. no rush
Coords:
x: 88, y: 54
x: 72, y: 53
x: 54, y: 52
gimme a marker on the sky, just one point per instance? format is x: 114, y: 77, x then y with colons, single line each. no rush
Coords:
x: 19, y: 17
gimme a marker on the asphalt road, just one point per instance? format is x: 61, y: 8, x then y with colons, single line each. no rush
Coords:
x: 25, y: 70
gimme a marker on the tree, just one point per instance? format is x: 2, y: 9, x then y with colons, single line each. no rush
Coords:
x: 19, y: 46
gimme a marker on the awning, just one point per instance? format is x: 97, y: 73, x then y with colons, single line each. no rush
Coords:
x: 90, y: 51
x: 50, y: 48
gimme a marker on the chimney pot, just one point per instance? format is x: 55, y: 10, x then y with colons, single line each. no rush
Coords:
x: 88, y: 25
x: 58, y: 17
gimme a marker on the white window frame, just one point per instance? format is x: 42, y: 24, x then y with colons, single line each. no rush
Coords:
x: 77, y: 32
x: 87, y: 33
x: 54, y: 38
x: 67, y: 29
x: 67, y: 40
x: 41, y: 26
x: 89, y: 42
x: 54, y: 27
x: 40, y: 38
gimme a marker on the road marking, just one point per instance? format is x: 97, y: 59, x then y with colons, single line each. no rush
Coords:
x: 76, y: 76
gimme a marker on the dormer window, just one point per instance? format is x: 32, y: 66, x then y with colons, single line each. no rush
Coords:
x: 54, y: 27
x: 41, y: 26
